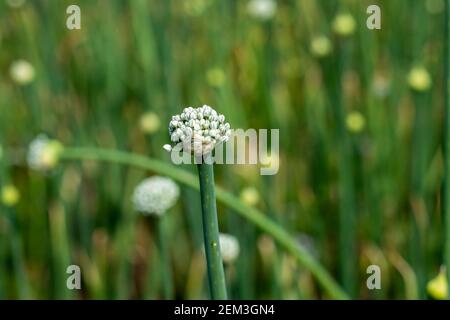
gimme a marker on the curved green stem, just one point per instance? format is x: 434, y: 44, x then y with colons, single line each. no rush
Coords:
x: 446, y: 147
x: 251, y: 214
x: 216, y: 275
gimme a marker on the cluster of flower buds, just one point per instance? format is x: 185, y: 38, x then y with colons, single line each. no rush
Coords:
x: 198, y: 130
x: 43, y: 153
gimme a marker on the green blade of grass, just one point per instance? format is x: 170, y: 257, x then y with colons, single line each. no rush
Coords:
x: 446, y: 142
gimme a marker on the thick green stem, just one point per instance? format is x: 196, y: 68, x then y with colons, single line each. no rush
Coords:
x: 446, y: 196
x: 251, y: 214
x: 216, y: 275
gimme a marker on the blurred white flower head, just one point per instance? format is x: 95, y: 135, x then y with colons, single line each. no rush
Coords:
x: 308, y: 243
x: 250, y: 196
x: 344, y: 24
x: 155, y: 195
x: 198, y: 130
x: 355, y: 122
x: 215, y: 77
x: 321, y: 46
x: 43, y: 153
x: 437, y: 287
x: 149, y: 122
x: 262, y: 9
x: 419, y: 79
x: 21, y: 72
x: 10, y: 195
x: 229, y: 247
x: 381, y: 86
x: 15, y: 3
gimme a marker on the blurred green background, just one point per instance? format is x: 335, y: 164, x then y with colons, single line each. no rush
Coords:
x: 360, y: 116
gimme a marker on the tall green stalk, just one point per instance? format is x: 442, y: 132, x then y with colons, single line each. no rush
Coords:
x: 216, y: 275
x: 347, y: 212
x: 252, y: 215
x: 447, y: 142
x: 164, y: 258
x: 22, y: 282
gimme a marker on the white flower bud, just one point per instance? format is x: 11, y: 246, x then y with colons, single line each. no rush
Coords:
x: 214, y: 124
x: 262, y: 9
x: 187, y: 131
x: 174, y: 137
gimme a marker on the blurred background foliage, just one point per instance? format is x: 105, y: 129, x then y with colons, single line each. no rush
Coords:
x: 360, y: 116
